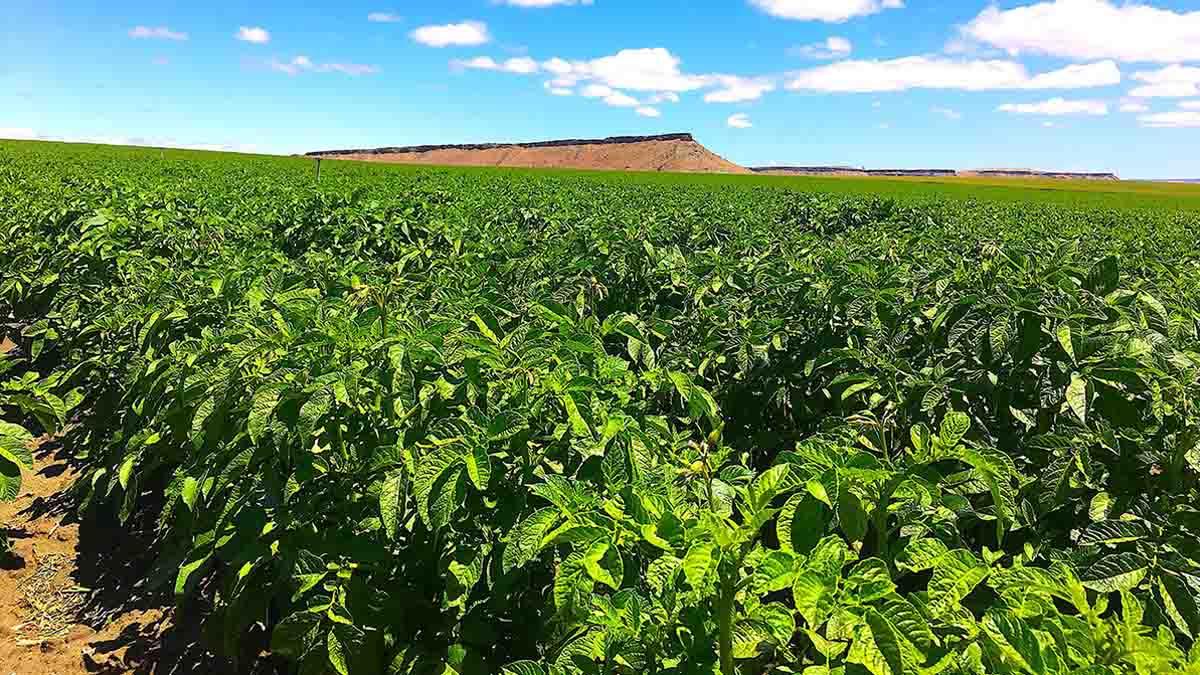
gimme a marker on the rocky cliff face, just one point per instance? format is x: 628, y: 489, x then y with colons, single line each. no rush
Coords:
x: 668, y: 152
x: 611, y: 140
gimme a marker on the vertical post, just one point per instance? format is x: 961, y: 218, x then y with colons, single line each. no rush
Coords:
x: 318, y: 160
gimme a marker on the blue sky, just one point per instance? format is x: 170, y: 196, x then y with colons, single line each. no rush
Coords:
x: 1056, y: 84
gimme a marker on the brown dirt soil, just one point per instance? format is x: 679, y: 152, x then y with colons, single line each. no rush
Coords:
x: 675, y: 156
x: 71, y: 597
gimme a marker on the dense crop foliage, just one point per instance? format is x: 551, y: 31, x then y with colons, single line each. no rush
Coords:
x: 434, y: 421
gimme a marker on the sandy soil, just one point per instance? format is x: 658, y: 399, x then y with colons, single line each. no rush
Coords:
x: 71, y: 601
x: 678, y: 156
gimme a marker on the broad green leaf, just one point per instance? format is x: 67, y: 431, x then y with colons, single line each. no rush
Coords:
x: 869, y: 580
x: 296, y: 635
x: 525, y: 540
x: 908, y: 621
x: 523, y: 668
x: 812, y: 593
x: 479, y: 465
x: 1015, y: 640
x: 886, y: 642
x: 955, y: 575
x: 921, y: 554
x: 1077, y: 397
x: 189, y: 492
x: 391, y: 501
x: 801, y: 523
x: 337, y: 654
x: 1116, y: 572
x: 261, y: 407
x: 1064, y: 339
x: 852, y: 516
x: 700, y: 557
x: 592, y: 560
x: 954, y: 427
x: 1100, y: 506
x: 1112, y: 532
x: 749, y: 638
x: 1180, y: 603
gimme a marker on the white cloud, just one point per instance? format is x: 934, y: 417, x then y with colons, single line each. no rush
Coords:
x: 465, y: 34
x: 559, y: 91
x: 739, y: 121
x: 258, y: 36
x: 1190, y: 105
x: 933, y: 72
x: 735, y: 89
x: 1171, y: 120
x: 1056, y: 107
x: 1134, y: 107
x: 596, y: 91
x: 833, y: 47
x: 384, y: 17
x: 665, y: 97
x: 621, y: 100
x: 832, y: 11
x: 156, y: 33
x: 538, y: 4
x: 477, y: 63
x: 521, y: 65
x: 948, y: 113
x: 302, y: 64
x: 17, y: 133
x: 653, y: 71
x: 647, y: 111
x: 1174, y: 81
x: 1091, y: 29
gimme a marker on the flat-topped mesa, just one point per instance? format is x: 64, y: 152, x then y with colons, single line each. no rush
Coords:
x: 611, y: 140
x: 665, y: 152
x: 1033, y: 173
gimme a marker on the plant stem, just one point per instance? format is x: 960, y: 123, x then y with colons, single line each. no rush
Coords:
x: 725, y: 620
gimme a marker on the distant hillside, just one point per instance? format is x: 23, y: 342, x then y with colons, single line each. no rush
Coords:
x: 669, y: 152
x: 978, y: 173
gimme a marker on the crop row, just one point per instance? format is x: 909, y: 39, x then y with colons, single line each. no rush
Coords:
x: 444, y: 421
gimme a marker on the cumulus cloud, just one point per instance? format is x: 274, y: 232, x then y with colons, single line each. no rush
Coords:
x: 948, y: 113
x: 1174, y: 81
x: 1134, y: 107
x: 538, y: 4
x: 739, y: 121
x: 520, y: 65
x: 384, y: 17
x: 1057, y: 107
x: 655, y: 72
x: 735, y: 89
x: 833, y: 47
x: 303, y: 64
x: 253, y: 34
x: 465, y: 34
x: 1171, y: 120
x: 1190, y: 105
x: 933, y: 72
x: 647, y: 111
x: 830, y: 11
x: 156, y: 33
x: 1091, y: 29
x: 665, y: 97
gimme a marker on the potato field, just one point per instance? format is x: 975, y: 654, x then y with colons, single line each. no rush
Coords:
x: 438, y: 421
